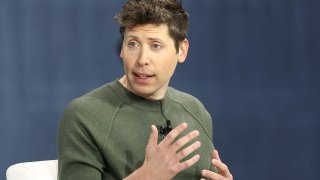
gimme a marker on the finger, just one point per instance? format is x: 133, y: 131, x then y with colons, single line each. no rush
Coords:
x: 185, y: 152
x: 222, y: 168
x: 153, y: 139
x: 211, y: 175
x: 184, y: 165
x: 215, y: 155
x: 185, y: 139
x: 168, y: 140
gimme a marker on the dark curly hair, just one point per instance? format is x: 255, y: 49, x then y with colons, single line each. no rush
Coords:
x: 141, y: 12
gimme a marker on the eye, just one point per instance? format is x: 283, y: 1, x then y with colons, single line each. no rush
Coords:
x: 133, y: 44
x: 156, y: 46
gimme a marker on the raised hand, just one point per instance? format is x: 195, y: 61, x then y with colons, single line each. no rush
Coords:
x: 163, y: 160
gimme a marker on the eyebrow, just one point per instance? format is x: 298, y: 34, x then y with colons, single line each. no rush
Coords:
x: 149, y: 38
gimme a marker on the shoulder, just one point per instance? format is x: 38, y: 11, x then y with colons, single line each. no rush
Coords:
x: 193, y: 106
x: 101, y: 96
x: 186, y: 100
x: 100, y: 102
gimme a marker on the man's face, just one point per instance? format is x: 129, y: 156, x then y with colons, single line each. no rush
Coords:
x: 150, y: 58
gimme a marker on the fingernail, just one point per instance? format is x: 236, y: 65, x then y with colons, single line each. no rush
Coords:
x: 198, y: 143
x: 196, y: 132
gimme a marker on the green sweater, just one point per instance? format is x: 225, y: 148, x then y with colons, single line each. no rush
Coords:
x: 103, y: 134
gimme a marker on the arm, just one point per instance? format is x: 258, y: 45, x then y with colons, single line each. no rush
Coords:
x: 218, y: 170
x: 78, y: 153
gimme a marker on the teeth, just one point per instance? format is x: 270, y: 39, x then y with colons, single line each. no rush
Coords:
x: 142, y: 76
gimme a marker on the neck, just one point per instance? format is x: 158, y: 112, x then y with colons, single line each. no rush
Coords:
x: 124, y: 81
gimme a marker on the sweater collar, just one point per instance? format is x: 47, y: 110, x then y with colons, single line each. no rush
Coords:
x: 138, y: 101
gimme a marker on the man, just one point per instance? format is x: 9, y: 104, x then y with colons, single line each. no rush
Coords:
x: 106, y: 133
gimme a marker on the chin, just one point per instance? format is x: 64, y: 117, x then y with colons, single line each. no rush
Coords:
x: 143, y: 91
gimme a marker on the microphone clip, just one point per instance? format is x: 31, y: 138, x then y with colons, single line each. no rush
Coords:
x: 165, y: 129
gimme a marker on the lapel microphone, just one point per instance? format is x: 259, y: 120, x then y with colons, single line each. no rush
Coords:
x: 165, y: 129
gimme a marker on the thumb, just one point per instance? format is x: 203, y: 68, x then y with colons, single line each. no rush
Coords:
x: 153, y: 139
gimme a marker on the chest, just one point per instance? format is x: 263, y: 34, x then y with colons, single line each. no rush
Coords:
x: 129, y: 134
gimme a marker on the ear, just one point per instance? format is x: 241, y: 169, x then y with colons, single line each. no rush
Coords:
x: 119, y: 47
x: 183, y: 50
x: 121, y: 56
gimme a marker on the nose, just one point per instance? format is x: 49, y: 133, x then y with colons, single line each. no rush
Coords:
x: 143, y: 58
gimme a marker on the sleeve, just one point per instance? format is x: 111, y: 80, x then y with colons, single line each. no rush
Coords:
x: 210, y: 122
x: 206, y: 117
x: 210, y: 129
x: 78, y: 153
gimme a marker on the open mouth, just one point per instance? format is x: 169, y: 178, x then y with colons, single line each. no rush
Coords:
x: 142, y: 77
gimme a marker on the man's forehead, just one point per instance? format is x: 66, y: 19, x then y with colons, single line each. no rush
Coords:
x: 148, y: 29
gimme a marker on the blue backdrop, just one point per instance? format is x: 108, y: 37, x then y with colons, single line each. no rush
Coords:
x: 253, y: 63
